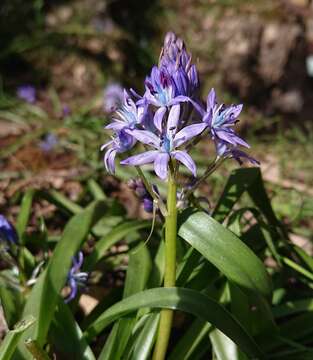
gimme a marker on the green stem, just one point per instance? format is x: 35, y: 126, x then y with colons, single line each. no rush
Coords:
x: 166, y: 318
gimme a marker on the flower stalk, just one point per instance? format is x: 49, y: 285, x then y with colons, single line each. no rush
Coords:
x: 166, y: 318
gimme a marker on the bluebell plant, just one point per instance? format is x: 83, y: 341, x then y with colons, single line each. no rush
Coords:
x: 166, y: 122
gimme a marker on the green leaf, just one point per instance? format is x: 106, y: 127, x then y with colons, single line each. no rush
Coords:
x: 117, y: 234
x: 11, y: 339
x: 158, y: 265
x: 224, y: 348
x: 294, y: 329
x: 191, y: 339
x: 181, y: 299
x: 238, y: 182
x: 293, y: 307
x: 96, y: 190
x: 11, y: 302
x: 66, y: 336
x: 253, y: 312
x: 306, y: 258
x: 139, y: 267
x: 57, y: 198
x: 144, y: 341
x: 301, y: 270
x: 227, y: 252
x: 46, y: 292
x: 24, y: 214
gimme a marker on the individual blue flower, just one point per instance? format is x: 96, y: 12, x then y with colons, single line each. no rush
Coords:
x: 129, y: 115
x: 49, y: 143
x: 66, y: 110
x: 220, y: 120
x: 27, y: 93
x: 75, y: 278
x: 166, y: 145
x: 113, y: 97
x: 161, y: 92
x: 120, y: 143
x: 8, y: 235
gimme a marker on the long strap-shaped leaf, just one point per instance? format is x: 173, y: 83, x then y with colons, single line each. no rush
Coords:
x: 187, y: 300
x: 45, y: 294
x: 9, y: 343
x: 66, y: 335
x: 137, y: 274
x: 227, y: 252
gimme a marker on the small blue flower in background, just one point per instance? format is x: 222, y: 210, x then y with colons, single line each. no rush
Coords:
x: 8, y: 235
x: 113, y: 96
x: 27, y: 93
x: 66, y: 111
x: 49, y: 142
x: 76, y: 279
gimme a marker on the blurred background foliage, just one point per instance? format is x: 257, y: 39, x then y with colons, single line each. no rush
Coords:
x: 257, y: 52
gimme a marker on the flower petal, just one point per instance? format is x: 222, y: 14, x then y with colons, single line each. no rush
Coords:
x: 187, y: 133
x: 185, y: 159
x: 73, y: 286
x: 211, y: 100
x: 161, y: 165
x: 158, y: 118
x: 173, y: 119
x: 229, y: 136
x: 232, y: 112
x: 141, y: 159
x: 178, y: 99
x: 116, y: 125
x: 241, y: 155
x: 146, y: 137
x: 109, y: 158
x: 198, y: 107
x: 106, y: 145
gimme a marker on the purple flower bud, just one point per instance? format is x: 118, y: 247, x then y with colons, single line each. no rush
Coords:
x: 27, y: 93
x: 226, y: 150
x: 8, y: 235
x: 143, y: 194
x: 169, y: 38
x: 148, y: 205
